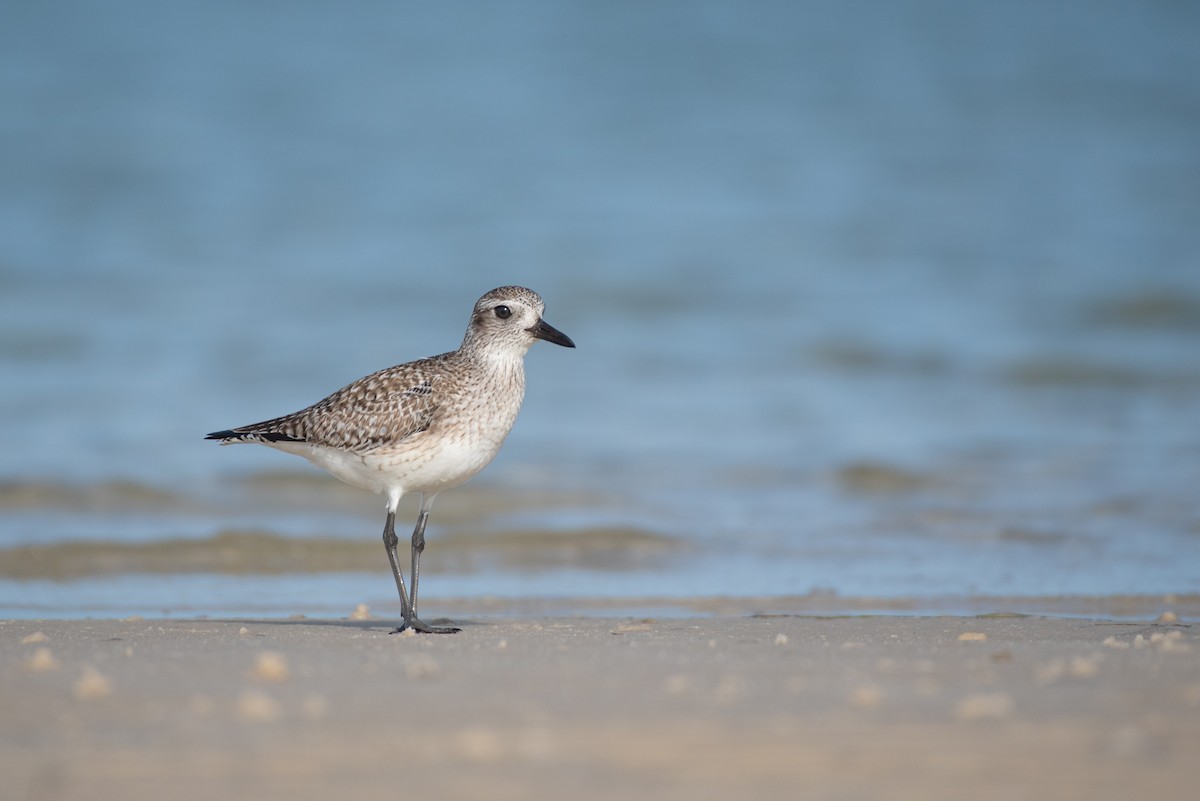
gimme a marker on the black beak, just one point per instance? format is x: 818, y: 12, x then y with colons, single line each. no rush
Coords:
x: 543, y: 330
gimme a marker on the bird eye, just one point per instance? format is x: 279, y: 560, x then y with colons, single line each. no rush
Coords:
x: 503, y: 312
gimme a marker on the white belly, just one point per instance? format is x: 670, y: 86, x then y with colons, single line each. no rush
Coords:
x: 423, y: 465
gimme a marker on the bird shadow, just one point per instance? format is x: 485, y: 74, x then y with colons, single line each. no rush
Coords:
x: 380, y: 626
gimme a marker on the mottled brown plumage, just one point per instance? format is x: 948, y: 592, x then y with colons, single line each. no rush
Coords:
x: 379, y: 410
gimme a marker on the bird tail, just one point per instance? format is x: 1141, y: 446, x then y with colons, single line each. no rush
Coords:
x: 249, y: 434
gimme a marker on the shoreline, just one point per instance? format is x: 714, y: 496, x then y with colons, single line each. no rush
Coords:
x: 1118, y: 607
x: 930, y: 707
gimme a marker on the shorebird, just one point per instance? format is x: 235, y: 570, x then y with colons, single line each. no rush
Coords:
x: 424, y: 426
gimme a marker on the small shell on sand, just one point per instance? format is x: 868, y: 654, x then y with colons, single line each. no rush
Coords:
x: 91, y: 684
x: 972, y: 636
x: 781, y: 639
x: 361, y: 612
x: 41, y: 661
x: 271, y: 666
x: 37, y: 636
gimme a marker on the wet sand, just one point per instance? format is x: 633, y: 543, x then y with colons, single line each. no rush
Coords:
x: 696, y: 708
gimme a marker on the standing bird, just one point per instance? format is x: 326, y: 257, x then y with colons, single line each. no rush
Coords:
x: 424, y: 426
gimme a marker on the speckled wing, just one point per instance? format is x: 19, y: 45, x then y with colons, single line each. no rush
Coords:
x: 378, y: 410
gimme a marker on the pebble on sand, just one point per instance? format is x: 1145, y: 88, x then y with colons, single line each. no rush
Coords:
x: 37, y: 636
x: 361, y: 612
x: 972, y: 636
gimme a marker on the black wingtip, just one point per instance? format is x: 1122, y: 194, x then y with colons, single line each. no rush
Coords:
x: 234, y: 435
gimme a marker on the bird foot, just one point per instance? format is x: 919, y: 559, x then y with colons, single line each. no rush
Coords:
x: 424, y: 628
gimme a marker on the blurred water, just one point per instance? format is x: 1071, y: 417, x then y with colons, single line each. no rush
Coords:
x: 892, y: 298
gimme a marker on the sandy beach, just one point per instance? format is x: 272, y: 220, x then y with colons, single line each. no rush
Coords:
x: 726, y: 707
x: 873, y: 475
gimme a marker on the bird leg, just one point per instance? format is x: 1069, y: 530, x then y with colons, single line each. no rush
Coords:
x: 418, y: 545
x: 409, y: 608
x: 390, y: 541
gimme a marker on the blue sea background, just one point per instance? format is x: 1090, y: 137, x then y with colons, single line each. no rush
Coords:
x: 885, y: 299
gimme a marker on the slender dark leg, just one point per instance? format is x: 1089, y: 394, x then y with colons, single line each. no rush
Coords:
x: 390, y: 541
x: 418, y: 545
